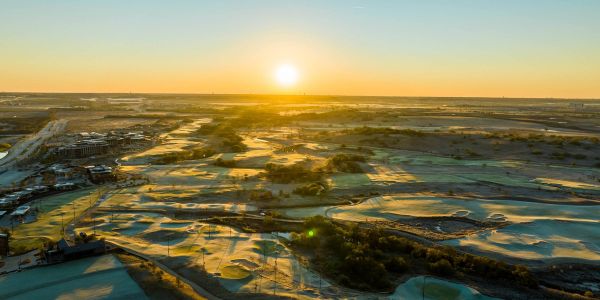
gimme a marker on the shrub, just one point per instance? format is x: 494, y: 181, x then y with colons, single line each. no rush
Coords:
x: 366, y: 255
x: 347, y: 163
x: 199, y: 153
x: 227, y: 163
x: 524, y: 277
x: 259, y: 195
x: 441, y: 267
x: 396, y: 264
x: 311, y: 189
x: 294, y: 173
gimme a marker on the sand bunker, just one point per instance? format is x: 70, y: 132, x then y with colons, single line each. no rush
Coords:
x: 234, y: 272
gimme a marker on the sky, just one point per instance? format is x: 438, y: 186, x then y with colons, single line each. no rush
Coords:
x: 487, y: 48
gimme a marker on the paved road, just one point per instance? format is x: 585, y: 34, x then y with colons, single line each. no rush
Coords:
x: 24, y: 148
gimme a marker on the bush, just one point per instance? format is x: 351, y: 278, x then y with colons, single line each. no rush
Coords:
x: 441, y: 267
x: 4, y: 147
x: 230, y: 139
x: 175, y: 157
x: 311, y: 189
x: 365, y: 255
x: 200, y: 153
x: 227, y: 163
x: 259, y: 195
x: 294, y: 173
x: 524, y: 277
x: 396, y: 264
x: 347, y: 163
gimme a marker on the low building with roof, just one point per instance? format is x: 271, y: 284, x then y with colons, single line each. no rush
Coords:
x: 64, y: 251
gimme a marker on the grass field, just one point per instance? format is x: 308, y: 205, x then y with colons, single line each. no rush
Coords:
x: 243, y: 262
x: 55, y: 211
x: 431, y: 288
x: 101, y: 277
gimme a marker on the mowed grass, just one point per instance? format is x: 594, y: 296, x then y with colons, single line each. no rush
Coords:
x: 433, y: 288
x: 240, y: 261
x: 54, y: 211
x: 101, y: 277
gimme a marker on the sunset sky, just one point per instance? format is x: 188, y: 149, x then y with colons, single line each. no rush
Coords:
x: 512, y: 48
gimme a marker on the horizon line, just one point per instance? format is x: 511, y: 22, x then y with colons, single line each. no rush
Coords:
x: 300, y: 95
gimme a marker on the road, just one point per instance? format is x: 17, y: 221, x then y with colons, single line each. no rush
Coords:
x: 27, y: 146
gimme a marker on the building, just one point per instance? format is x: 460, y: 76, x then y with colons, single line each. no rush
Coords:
x: 84, y: 148
x: 93, y: 143
x: 38, y: 189
x: 576, y: 105
x: 21, y: 211
x: 4, y: 244
x: 6, y: 202
x: 63, y: 251
x: 67, y: 186
x: 60, y: 170
x: 11, y: 200
x: 100, y: 173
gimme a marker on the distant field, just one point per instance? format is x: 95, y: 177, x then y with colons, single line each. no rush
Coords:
x: 103, y: 125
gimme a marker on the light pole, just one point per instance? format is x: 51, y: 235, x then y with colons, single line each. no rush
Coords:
x: 423, y: 289
x: 275, y: 276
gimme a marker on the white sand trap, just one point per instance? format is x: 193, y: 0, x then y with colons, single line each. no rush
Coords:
x: 568, y: 184
x: 243, y: 262
x: 174, y: 141
x: 436, y: 289
x: 540, y: 239
x: 543, y: 230
x: 235, y: 272
x: 392, y: 207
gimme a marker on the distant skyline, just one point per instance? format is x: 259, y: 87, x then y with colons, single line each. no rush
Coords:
x: 458, y: 48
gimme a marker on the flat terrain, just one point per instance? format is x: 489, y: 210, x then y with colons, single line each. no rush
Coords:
x: 102, y: 277
x: 514, y: 182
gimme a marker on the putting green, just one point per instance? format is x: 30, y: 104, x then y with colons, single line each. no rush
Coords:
x: 436, y: 289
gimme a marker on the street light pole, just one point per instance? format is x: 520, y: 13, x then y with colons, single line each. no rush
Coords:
x: 423, y: 289
x: 275, y: 276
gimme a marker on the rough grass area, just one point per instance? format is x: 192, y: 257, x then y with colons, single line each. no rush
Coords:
x: 54, y: 211
x: 157, y: 284
x: 100, y: 277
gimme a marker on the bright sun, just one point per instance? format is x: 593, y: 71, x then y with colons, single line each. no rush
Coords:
x: 286, y: 75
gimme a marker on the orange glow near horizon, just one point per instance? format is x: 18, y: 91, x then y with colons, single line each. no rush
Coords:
x: 384, y: 48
